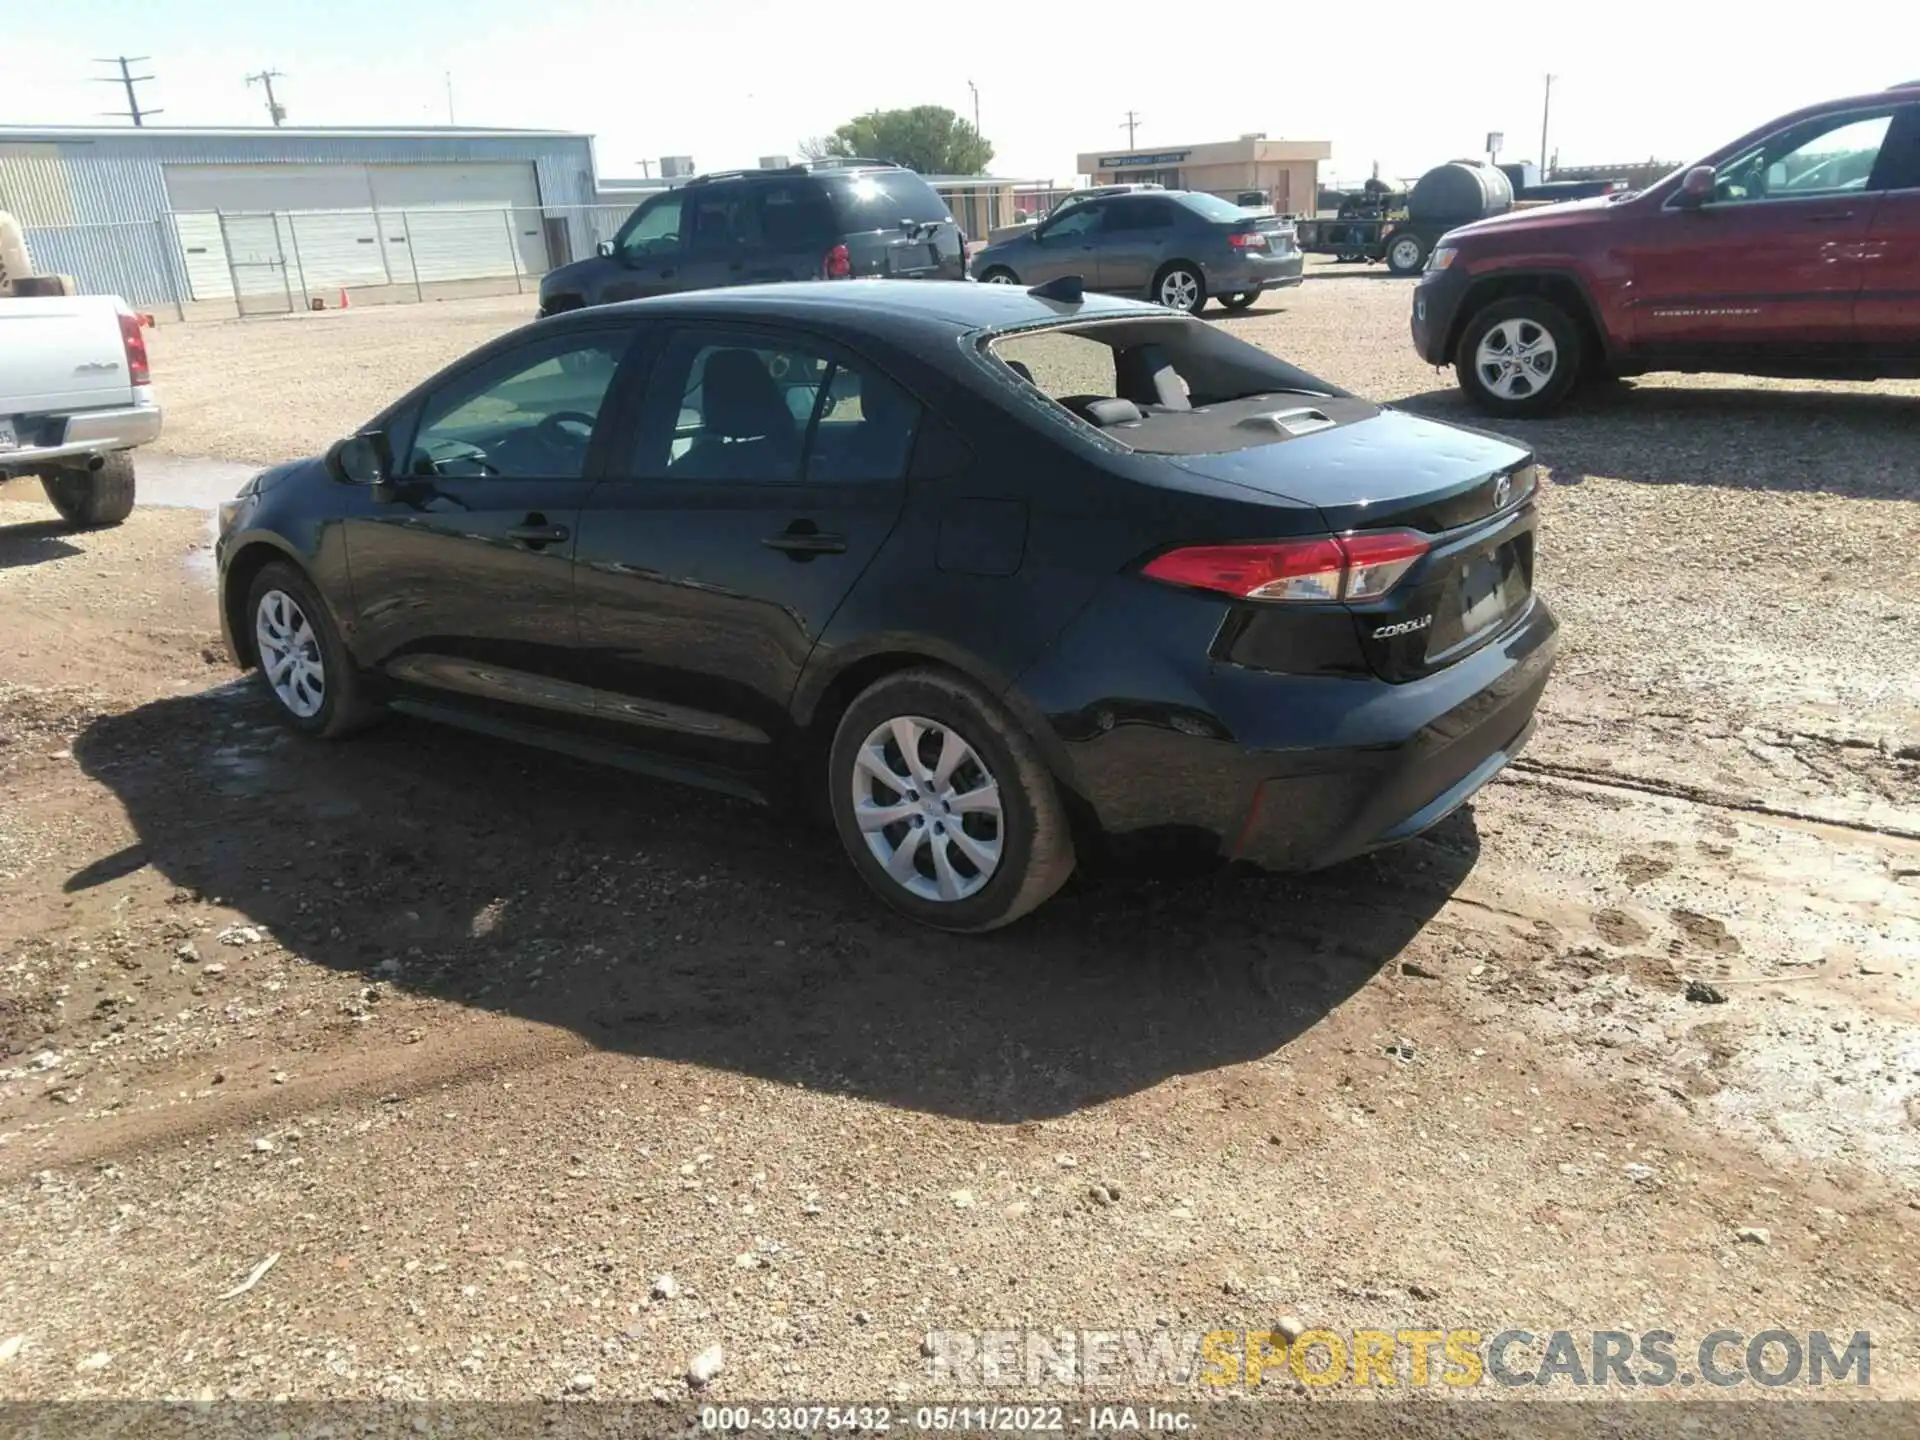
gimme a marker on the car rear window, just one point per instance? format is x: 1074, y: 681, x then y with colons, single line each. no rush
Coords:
x: 881, y: 200
x: 1195, y: 387
x: 1212, y: 207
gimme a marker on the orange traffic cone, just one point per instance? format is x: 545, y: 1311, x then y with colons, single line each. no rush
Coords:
x: 343, y: 298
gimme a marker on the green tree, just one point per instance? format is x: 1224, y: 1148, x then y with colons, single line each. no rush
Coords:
x: 928, y: 138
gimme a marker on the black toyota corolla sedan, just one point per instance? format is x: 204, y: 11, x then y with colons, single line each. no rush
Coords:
x: 999, y: 575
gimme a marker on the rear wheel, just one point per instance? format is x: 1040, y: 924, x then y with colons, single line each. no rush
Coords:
x: 999, y: 275
x: 1178, y: 286
x: 1240, y: 300
x: 1519, y: 357
x: 91, y: 499
x: 1406, y: 253
x: 943, y: 804
x: 304, y: 664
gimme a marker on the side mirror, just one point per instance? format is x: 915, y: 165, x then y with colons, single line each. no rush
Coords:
x: 364, y: 459
x: 604, y: 249
x: 1697, y: 189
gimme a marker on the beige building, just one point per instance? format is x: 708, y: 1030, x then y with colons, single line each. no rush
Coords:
x: 1287, y: 172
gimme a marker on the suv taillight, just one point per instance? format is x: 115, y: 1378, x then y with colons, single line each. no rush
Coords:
x: 838, y: 265
x: 1362, y: 566
x: 139, y: 371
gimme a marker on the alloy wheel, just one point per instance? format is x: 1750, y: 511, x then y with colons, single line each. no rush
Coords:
x: 1000, y: 277
x: 928, y: 808
x: 1179, y: 289
x: 290, y: 654
x: 1516, y: 359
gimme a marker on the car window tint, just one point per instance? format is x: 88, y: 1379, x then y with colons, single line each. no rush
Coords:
x: 655, y: 231
x: 526, y: 414
x: 1082, y: 220
x: 880, y: 200
x: 1138, y: 212
x: 1833, y: 155
x: 794, y: 216
x: 730, y: 409
x: 865, y: 429
x: 721, y: 218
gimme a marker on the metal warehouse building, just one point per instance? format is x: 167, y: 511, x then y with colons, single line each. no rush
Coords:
x: 266, y: 218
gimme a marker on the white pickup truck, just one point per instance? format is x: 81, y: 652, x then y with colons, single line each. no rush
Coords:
x: 76, y: 396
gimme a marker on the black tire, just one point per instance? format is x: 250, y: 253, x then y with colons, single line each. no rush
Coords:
x: 1534, y: 317
x: 1241, y: 300
x: 1406, y: 253
x: 1035, y: 841
x: 999, y: 275
x: 1198, y: 290
x: 345, y: 705
x: 93, y: 499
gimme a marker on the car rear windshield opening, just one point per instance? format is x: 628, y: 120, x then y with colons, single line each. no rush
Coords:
x: 1169, y: 385
x: 881, y: 200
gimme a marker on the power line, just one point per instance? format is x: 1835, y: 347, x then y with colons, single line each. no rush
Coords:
x: 127, y: 78
x: 275, y: 110
x: 1130, y: 124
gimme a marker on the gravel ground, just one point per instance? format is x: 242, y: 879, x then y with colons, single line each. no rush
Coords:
x: 480, y: 1044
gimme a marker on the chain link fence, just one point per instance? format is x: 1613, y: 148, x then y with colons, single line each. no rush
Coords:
x: 218, y: 264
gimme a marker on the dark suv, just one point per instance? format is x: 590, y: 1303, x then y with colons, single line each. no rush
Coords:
x: 830, y: 221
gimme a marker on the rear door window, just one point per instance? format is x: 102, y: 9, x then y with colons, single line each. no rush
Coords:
x: 720, y: 218
x: 794, y: 215
x: 882, y: 199
x: 1138, y: 212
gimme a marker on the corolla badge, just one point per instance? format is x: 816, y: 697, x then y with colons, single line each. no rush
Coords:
x: 1405, y: 627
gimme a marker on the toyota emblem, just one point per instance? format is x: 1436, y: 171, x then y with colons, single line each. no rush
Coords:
x: 1502, y: 491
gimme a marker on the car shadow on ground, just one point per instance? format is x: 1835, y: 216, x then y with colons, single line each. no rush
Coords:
x: 35, y: 543
x: 666, y: 922
x: 1746, y: 439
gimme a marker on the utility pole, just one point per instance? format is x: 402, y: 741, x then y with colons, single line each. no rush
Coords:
x: 275, y: 110
x: 449, y: 97
x: 1546, y: 108
x: 127, y: 78
x: 976, y: 106
x: 1130, y: 124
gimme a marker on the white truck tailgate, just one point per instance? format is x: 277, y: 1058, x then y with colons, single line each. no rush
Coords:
x: 61, y: 354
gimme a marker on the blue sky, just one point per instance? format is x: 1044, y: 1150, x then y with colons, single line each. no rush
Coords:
x: 1408, y: 85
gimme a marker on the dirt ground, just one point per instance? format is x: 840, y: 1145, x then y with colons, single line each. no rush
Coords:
x: 479, y: 1043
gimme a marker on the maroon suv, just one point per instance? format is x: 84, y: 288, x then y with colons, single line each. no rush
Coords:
x: 1794, y: 251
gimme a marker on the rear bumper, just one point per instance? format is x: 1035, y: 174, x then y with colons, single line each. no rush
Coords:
x: 1436, y: 305
x: 85, y: 433
x: 1256, y: 273
x: 1296, y: 772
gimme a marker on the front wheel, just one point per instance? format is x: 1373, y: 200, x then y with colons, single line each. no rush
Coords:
x: 943, y: 804
x: 1239, y: 301
x: 93, y: 499
x: 304, y: 664
x: 1406, y: 254
x: 1519, y: 358
x: 1179, y: 287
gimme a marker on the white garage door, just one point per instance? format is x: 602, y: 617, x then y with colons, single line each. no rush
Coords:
x: 463, y: 221
x: 352, y: 225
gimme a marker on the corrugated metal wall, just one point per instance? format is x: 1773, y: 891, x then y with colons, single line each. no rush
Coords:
x: 112, y: 183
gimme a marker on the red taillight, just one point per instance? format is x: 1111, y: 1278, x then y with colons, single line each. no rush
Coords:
x: 1335, y: 567
x: 1252, y: 240
x: 838, y: 265
x: 139, y: 371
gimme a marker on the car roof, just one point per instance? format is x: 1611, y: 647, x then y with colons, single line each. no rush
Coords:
x: 899, y: 306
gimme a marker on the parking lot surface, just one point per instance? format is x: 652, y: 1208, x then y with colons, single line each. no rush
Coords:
x: 480, y: 1043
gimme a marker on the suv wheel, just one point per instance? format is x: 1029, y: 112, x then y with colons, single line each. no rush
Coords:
x: 1519, y: 357
x: 944, y: 805
x: 1179, y: 287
